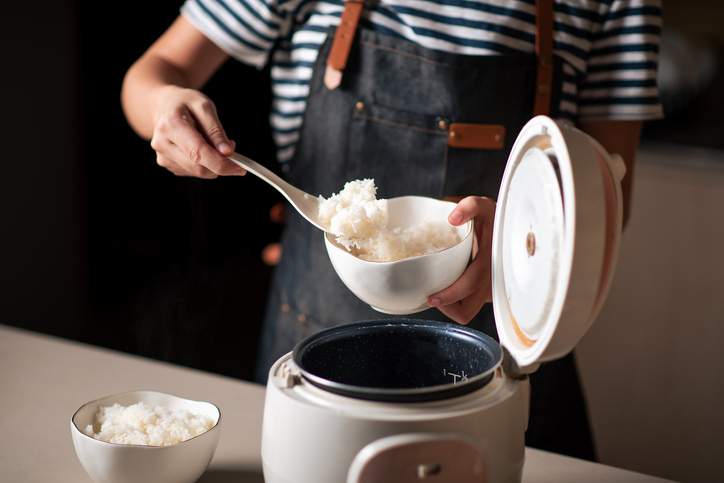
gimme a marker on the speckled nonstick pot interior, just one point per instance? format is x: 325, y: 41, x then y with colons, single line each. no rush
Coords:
x: 398, y: 360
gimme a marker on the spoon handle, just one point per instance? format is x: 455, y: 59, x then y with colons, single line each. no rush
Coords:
x: 266, y: 174
x: 306, y: 204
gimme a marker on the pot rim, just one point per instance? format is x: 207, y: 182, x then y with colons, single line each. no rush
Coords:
x: 417, y: 394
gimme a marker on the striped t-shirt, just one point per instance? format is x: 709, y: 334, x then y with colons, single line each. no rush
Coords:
x: 609, y: 47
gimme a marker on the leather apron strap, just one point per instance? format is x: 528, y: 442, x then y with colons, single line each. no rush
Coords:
x: 544, y: 52
x: 342, y: 44
x: 471, y: 136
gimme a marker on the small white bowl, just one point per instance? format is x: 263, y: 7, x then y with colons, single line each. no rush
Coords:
x: 402, y: 287
x: 127, y: 463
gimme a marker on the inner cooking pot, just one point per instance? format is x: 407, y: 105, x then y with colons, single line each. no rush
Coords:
x: 398, y: 360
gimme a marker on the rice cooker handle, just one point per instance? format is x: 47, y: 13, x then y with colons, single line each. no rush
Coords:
x: 415, y: 457
x: 617, y: 166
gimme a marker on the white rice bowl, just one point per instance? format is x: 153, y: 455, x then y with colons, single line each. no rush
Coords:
x: 360, y: 223
x: 142, y: 424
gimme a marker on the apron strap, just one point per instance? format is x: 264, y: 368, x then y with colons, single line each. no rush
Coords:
x: 345, y: 34
x: 342, y: 44
x: 476, y: 136
x: 544, y: 52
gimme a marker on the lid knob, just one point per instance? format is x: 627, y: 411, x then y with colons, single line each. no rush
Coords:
x: 530, y: 243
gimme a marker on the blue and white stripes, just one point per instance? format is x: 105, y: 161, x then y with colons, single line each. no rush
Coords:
x: 610, y: 47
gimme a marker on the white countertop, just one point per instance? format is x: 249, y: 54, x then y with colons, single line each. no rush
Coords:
x: 43, y: 380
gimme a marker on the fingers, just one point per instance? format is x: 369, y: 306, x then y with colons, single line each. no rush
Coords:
x: 179, y: 170
x: 187, y: 139
x: 475, y: 278
x: 482, y: 210
x: 197, y: 153
x: 463, y: 311
x: 208, y: 122
x: 462, y: 300
x: 467, y: 209
x: 170, y: 156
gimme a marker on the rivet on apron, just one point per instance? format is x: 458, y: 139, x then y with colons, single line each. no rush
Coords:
x: 360, y: 106
x: 442, y: 124
x: 301, y: 318
x: 285, y: 308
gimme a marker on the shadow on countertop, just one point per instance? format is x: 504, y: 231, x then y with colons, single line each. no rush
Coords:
x: 232, y: 475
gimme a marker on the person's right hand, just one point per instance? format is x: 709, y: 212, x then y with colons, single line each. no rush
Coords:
x: 188, y: 137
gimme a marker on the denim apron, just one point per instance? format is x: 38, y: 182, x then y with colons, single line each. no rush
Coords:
x: 390, y: 120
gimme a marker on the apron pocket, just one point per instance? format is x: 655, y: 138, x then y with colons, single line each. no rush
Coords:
x: 404, y: 151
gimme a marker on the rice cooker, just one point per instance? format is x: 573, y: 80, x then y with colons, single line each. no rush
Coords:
x: 404, y: 400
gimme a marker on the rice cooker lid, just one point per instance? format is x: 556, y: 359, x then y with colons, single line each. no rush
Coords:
x: 555, y: 240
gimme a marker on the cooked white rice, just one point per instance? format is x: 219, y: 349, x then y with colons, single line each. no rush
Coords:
x: 145, y: 425
x: 360, y: 222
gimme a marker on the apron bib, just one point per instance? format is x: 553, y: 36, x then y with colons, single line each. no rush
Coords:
x: 420, y: 122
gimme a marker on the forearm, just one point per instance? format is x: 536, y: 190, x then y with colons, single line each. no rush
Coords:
x: 181, y: 57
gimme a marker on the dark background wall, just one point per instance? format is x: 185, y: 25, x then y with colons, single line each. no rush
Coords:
x: 97, y: 242
x: 42, y: 181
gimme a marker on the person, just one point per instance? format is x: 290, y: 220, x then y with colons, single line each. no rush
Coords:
x: 424, y: 96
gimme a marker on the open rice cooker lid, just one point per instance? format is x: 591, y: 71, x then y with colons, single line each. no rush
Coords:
x: 555, y: 240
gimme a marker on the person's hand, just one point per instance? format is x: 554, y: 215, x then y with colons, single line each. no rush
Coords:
x: 462, y: 300
x: 188, y: 137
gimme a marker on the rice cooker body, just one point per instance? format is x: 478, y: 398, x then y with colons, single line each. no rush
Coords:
x: 555, y: 243
x: 313, y: 436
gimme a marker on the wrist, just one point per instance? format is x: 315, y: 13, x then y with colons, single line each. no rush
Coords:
x: 158, y: 99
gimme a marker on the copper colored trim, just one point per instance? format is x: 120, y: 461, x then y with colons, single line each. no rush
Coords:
x: 544, y: 52
x: 344, y: 35
x: 347, y: 29
x: 527, y: 341
x: 476, y: 136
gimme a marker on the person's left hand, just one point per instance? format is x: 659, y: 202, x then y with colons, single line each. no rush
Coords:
x: 462, y: 300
